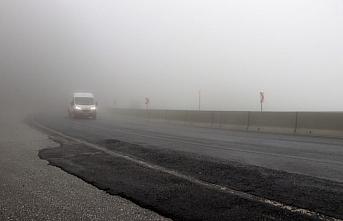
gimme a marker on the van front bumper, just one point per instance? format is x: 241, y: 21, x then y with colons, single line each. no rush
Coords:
x: 84, y: 113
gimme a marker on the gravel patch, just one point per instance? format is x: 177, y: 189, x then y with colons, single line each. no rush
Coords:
x: 30, y: 189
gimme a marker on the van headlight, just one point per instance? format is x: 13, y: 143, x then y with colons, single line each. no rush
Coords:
x: 93, y: 108
x: 77, y: 108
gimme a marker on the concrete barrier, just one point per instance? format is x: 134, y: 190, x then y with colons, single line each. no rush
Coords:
x: 200, y: 118
x: 131, y: 112
x: 233, y: 120
x: 274, y: 122
x: 320, y: 124
x: 328, y: 124
x: 176, y: 116
x: 157, y: 114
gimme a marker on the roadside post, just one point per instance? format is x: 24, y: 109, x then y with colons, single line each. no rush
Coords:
x: 147, y: 102
x: 199, y: 100
x: 261, y: 99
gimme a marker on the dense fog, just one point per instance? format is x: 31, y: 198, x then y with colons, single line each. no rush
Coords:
x: 124, y: 51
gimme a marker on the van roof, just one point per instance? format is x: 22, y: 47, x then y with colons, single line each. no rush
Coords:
x: 83, y: 95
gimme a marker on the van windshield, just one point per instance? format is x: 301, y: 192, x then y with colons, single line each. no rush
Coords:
x: 84, y: 100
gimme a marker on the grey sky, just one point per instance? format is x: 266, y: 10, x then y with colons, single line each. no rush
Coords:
x: 168, y: 50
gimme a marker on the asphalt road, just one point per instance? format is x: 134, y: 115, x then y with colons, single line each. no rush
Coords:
x: 313, y: 156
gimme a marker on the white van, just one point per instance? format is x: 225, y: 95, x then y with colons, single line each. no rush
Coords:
x: 83, y: 105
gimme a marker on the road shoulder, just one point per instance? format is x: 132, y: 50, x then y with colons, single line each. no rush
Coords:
x: 33, y: 190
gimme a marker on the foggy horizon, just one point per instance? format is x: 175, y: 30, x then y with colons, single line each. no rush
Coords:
x: 124, y: 51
